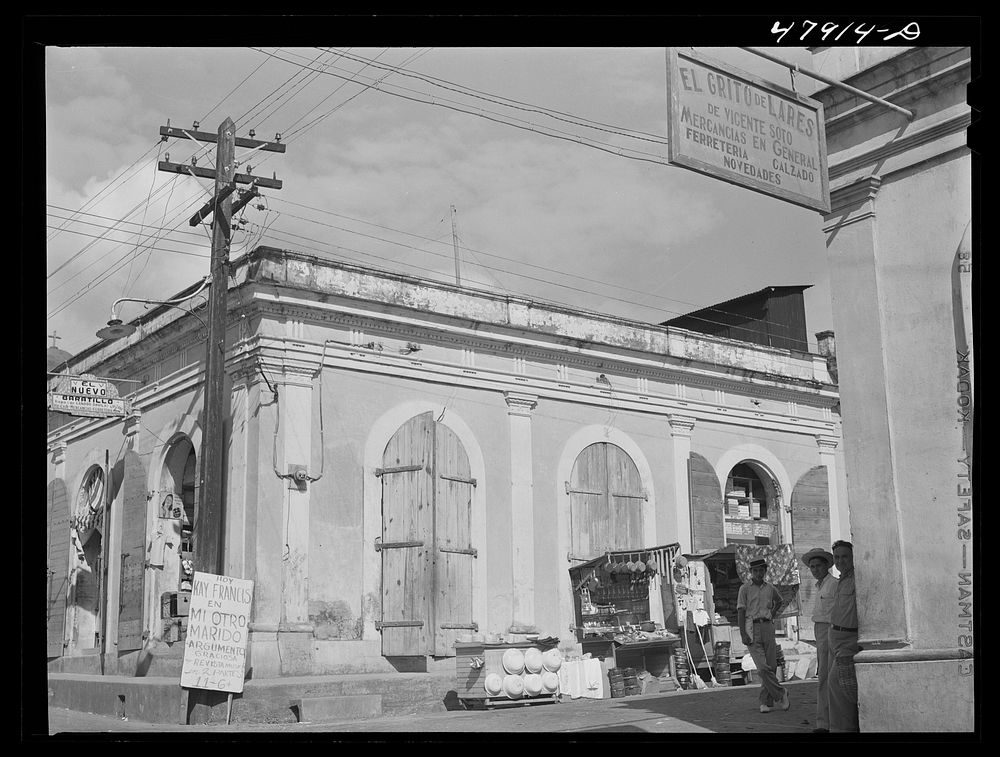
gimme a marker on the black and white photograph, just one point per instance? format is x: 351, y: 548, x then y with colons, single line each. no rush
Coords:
x: 443, y: 378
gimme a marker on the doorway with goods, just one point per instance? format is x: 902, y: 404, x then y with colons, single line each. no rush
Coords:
x: 426, y: 547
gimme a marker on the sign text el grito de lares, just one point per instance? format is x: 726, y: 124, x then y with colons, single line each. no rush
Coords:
x: 737, y: 127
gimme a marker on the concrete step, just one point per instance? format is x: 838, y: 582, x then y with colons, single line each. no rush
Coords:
x: 332, y: 709
x: 160, y: 699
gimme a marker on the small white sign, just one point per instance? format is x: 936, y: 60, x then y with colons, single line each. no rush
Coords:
x: 91, y: 406
x: 215, y: 649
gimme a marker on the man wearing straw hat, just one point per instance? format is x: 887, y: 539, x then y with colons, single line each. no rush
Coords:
x: 757, y: 604
x: 819, y: 562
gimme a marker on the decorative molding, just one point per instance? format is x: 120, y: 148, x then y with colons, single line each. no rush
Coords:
x: 857, y: 193
x: 58, y: 452
x: 827, y: 444
x: 681, y: 425
x: 907, y: 142
x: 520, y: 404
x: 904, y: 654
x: 132, y: 424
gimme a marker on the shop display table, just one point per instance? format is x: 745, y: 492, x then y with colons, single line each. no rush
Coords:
x: 470, y: 675
x: 653, y: 655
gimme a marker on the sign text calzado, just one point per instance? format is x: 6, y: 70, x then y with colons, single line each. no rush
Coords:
x: 744, y: 130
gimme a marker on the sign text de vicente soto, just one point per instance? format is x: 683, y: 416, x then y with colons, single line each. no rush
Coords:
x: 744, y: 130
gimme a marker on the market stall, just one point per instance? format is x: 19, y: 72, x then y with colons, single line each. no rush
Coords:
x: 707, y: 586
x: 626, y: 611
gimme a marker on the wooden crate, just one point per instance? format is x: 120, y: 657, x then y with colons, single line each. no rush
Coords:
x: 469, y: 680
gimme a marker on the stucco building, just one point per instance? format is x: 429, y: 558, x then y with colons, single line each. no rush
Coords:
x: 410, y: 461
x: 899, y: 237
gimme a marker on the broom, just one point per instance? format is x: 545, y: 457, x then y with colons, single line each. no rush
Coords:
x: 695, y: 677
x: 711, y: 669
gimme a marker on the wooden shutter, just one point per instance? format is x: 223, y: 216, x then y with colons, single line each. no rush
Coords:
x: 625, y: 496
x: 133, y: 555
x: 810, y: 528
x: 454, y: 552
x: 707, y: 525
x: 57, y: 566
x: 407, y: 538
x: 606, y: 499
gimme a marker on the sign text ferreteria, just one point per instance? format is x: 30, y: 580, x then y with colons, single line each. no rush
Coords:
x: 729, y: 124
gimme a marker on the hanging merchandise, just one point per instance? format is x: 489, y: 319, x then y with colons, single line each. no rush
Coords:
x: 782, y: 571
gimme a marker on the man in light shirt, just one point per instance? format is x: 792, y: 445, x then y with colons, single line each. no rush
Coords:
x: 843, y: 682
x: 757, y: 605
x: 819, y: 562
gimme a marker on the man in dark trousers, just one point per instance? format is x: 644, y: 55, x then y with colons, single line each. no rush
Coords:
x: 820, y: 561
x: 757, y: 605
x: 843, y: 681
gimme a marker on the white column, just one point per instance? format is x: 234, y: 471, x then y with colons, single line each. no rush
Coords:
x: 681, y: 427
x: 827, y: 449
x: 519, y: 407
x: 295, y: 432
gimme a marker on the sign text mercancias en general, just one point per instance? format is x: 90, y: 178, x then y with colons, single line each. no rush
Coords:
x: 747, y: 131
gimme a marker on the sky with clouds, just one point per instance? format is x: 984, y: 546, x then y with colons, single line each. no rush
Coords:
x: 553, y: 158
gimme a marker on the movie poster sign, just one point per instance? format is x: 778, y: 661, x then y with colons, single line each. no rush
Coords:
x: 215, y: 649
x: 742, y: 129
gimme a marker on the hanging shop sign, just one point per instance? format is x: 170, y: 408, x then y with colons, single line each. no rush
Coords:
x: 734, y: 126
x: 215, y: 649
x: 88, y: 396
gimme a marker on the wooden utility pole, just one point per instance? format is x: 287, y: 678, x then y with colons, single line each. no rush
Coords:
x: 210, y: 512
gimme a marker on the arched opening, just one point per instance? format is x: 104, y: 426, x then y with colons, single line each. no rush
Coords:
x: 87, y: 537
x: 606, y: 497
x: 172, y: 545
x: 427, y: 544
x: 752, y: 507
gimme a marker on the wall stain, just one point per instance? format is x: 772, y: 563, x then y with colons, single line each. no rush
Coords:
x: 334, y: 620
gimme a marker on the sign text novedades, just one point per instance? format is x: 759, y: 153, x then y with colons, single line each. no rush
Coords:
x: 739, y: 128
x: 218, y: 625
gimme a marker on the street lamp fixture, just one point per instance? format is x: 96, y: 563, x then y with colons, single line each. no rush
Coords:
x: 116, y: 329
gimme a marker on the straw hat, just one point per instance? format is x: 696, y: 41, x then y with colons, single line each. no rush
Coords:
x: 533, y: 684
x: 552, y: 660
x: 513, y: 661
x: 533, y: 660
x: 513, y: 686
x: 550, y: 682
x: 817, y: 552
x: 493, y: 684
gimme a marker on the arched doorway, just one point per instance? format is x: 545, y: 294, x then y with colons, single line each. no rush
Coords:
x: 426, y: 545
x: 58, y: 567
x: 751, y: 506
x: 606, y: 496
x: 173, y: 538
x: 86, y: 588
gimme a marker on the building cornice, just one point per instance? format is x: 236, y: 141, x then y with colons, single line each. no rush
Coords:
x: 685, y: 367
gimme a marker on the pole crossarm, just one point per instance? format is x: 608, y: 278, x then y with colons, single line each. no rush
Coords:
x: 209, y: 206
x: 244, y: 198
x: 209, y: 173
x: 832, y: 82
x: 204, y: 136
